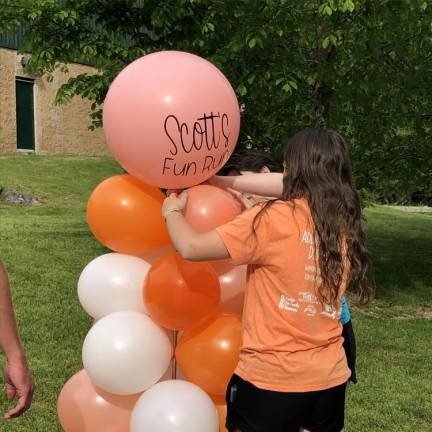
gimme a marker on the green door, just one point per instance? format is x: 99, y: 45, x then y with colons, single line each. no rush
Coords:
x: 24, y: 114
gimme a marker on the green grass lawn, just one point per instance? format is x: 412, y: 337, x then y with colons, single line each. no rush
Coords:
x: 46, y: 247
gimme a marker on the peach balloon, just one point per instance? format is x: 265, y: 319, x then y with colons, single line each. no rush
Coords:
x: 222, y: 413
x: 208, y: 356
x: 221, y: 408
x: 124, y: 214
x: 181, y: 294
x: 222, y: 266
x: 209, y: 207
x: 82, y: 407
x: 171, y: 119
x: 233, y: 284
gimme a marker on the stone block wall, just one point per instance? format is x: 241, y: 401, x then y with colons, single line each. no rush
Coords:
x: 59, y: 129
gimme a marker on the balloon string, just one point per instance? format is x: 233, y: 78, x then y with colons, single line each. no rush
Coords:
x: 174, y: 362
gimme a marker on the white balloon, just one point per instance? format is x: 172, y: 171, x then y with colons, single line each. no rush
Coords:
x: 174, y: 405
x: 126, y: 353
x: 112, y: 283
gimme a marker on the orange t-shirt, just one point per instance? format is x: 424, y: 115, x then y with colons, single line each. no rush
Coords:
x: 291, y: 342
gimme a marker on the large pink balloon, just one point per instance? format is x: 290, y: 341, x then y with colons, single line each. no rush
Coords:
x: 82, y: 407
x: 171, y: 119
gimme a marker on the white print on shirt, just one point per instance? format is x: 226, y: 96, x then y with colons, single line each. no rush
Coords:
x: 311, y: 274
x: 310, y: 310
x: 292, y: 305
x: 312, y: 254
x: 307, y: 297
x: 312, y: 277
x: 308, y: 238
x: 329, y: 310
x: 288, y: 303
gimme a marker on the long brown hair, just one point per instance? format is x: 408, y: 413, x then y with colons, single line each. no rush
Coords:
x: 317, y: 168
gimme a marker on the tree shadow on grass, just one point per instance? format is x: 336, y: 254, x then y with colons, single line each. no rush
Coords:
x: 401, y: 250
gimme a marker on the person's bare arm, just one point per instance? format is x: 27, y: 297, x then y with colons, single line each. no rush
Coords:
x: 191, y: 245
x: 264, y: 184
x: 19, y: 382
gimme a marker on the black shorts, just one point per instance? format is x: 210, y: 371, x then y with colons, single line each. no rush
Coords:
x: 251, y: 409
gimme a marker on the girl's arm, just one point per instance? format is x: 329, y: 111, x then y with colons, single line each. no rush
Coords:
x: 191, y: 245
x: 264, y: 184
x: 19, y: 382
x: 10, y: 341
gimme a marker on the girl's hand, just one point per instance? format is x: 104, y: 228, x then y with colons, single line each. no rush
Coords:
x: 245, y: 200
x: 174, y: 202
x: 19, y: 384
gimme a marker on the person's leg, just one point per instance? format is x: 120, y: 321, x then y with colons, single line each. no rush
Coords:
x: 301, y: 430
x: 350, y: 348
x: 328, y: 412
x: 251, y: 409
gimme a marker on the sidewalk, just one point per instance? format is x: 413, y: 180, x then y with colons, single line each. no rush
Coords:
x: 412, y: 209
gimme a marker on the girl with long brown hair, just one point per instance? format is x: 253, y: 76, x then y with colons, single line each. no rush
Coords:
x: 302, y: 249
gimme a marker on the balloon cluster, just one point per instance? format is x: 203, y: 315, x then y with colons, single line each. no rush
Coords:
x: 172, y: 120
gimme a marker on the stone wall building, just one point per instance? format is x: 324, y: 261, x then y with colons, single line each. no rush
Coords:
x: 31, y: 122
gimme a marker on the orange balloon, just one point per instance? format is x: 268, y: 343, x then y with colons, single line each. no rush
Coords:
x: 82, y: 407
x: 181, y: 294
x: 233, y: 284
x: 218, y: 399
x: 208, y: 356
x: 125, y: 215
x: 157, y: 253
x: 209, y: 207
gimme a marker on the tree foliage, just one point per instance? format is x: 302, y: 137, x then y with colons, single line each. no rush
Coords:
x: 361, y: 67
